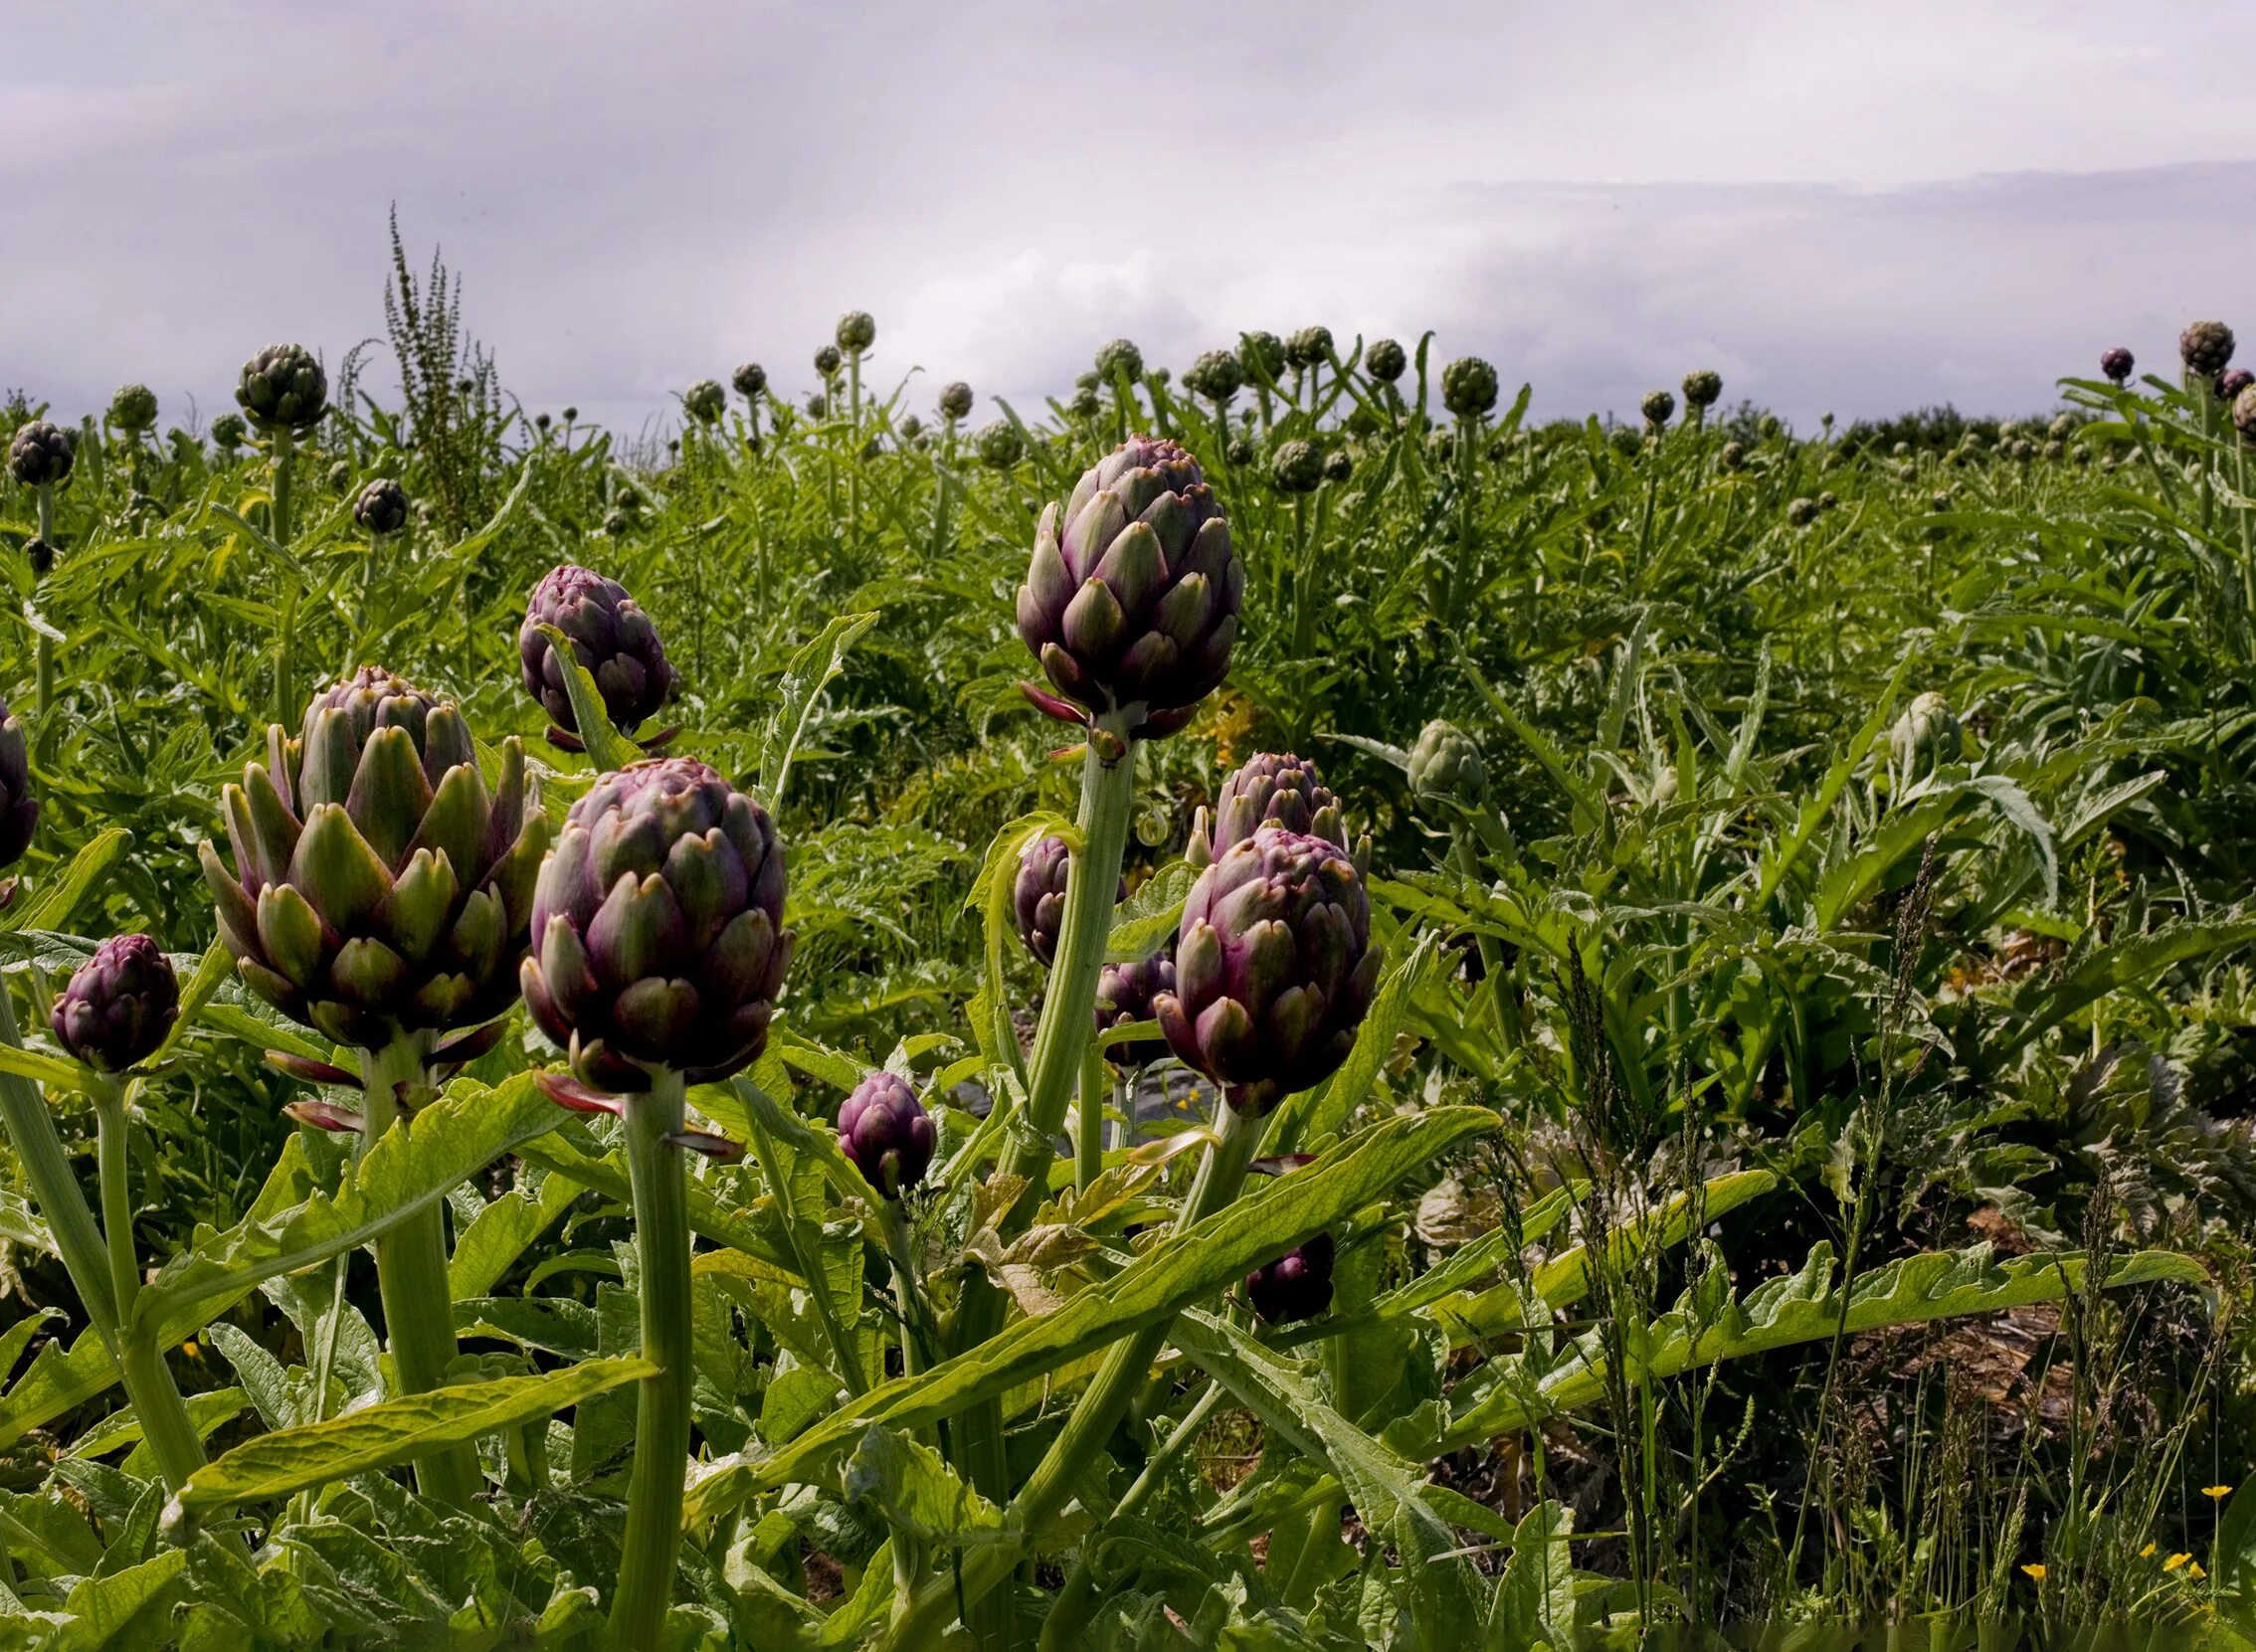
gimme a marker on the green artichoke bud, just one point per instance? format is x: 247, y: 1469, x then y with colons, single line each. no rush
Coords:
x: 1702, y: 388
x: 382, y: 507
x: 134, y: 408
x: 41, y: 454
x: 19, y: 809
x: 378, y: 887
x: 1262, y: 356
x: 1085, y: 404
x: 1386, y: 360
x: 1441, y: 446
x: 1270, y: 788
x: 228, y: 432
x: 1217, y: 375
x: 857, y: 330
x: 2207, y: 348
x: 887, y: 1134
x: 283, y: 388
x: 1309, y: 347
x: 955, y: 400
x: 119, y: 1004
x: 1828, y: 500
x: 1338, y: 466
x: 1927, y: 734
x: 1733, y: 455
x: 1296, y: 467
x: 1468, y: 386
x: 2053, y: 450
x: 1446, y: 766
x: 1090, y: 380
x: 1801, y: 512
x: 2244, y: 414
x: 1238, y: 454
x: 617, y: 524
x: 1131, y: 600
x: 749, y: 379
x: 704, y: 401
x: 659, y: 924
x: 340, y: 476
x: 827, y: 360
x: 911, y: 427
x: 1000, y: 445
x: 1118, y: 358
x: 1659, y: 407
x: 1274, y: 968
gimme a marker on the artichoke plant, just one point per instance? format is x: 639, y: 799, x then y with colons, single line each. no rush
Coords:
x: 1038, y: 895
x: 1927, y: 734
x: 611, y: 637
x: 1131, y: 600
x: 1296, y: 467
x: 382, y: 508
x: 1703, y: 388
x: 1000, y: 445
x: 1262, y: 356
x: 657, y: 926
x: 1308, y: 347
x: 1270, y: 788
x: 19, y: 807
x: 228, y: 432
x: 1274, y: 968
x: 1385, y: 360
x: 1659, y: 407
x: 119, y: 1004
x: 884, y: 1130
x: 1124, y: 996
x: 1468, y: 386
x: 1446, y: 766
x: 2244, y: 412
x: 134, y: 408
x: 2230, y: 385
x: 1120, y: 359
x: 704, y: 401
x: 1296, y: 1286
x: 1217, y: 375
x: 857, y: 330
x: 955, y: 400
x: 2116, y: 363
x: 2205, y: 349
x: 39, y: 455
x: 283, y: 390
x: 827, y: 359
x: 750, y: 379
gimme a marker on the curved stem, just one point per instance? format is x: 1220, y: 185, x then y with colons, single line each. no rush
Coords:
x: 661, y: 1408
x: 411, y: 1277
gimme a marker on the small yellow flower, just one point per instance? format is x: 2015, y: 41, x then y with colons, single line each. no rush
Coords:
x: 2216, y: 1492
x: 2036, y: 1571
x: 189, y: 1347
x: 2143, y: 1553
x: 2194, y: 1571
x: 2175, y: 1561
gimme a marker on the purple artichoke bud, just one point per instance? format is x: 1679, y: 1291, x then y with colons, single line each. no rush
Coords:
x: 1124, y: 994
x: 2244, y: 412
x: 887, y: 1134
x: 657, y: 926
x: 283, y: 388
x: 134, y: 408
x: 1270, y: 788
x: 1120, y: 357
x: 1037, y: 896
x: 379, y: 887
x: 382, y: 507
x: 749, y: 379
x: 1296, y: 467
x: 1000, y: 445
x: 1309, y: 347
x: 611, y: 636
x: 1131, y: 599
x: 2205, y: 347
x: 827, y: 360
x: 1274, y: 968
x: 1659, y: 407
x: 1296, y: 1286
x: 19, y: 809
x: 704, y: 401
x: 1385, y: 360
x: 1468, y: 386
x: 1262, y: 357
x: 955, y: 400
x: 1217, y: 375
x: 119, y: 1004
x: 2233, y: 383
x: 857, y: 330
x: 1703, y: 388
x: 2116, y: 363
x: 40, y: 453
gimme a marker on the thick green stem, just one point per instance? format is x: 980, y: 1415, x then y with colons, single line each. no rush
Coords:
x: 43, y: 693
x: 660, y: 1180
x: 113, y: 1174
x: 147, y: 1379
x: 411, y: 1275
x: 1098, y: 1412
x: 1088, y: 1120
x: 282, y: 445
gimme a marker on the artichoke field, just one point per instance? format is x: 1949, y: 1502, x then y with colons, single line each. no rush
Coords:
x: 1263, y: 1006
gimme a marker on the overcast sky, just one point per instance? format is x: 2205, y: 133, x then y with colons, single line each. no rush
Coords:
x: 1848, y: 209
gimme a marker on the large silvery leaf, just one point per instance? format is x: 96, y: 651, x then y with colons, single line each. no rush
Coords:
x: 377, y: 1436
x: 410, y: 1167
x: 1181, y: 1270
x: 1804, y: 1307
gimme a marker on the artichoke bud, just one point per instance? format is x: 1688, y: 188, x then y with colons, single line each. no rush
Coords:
x: 749, y: 379
x: 2205, y: 349
x: 134, y: 408
x: 887, y: 1134
x: 1124, y: 996
x: 1385, y: 360
x: 1296, y: 1286
x: 382, y: 507
x: 40, y: 453
x: 284, y: 389
x: 704, y: 401
x: 1702, y: 388
x: 827, y: 360
x: 1446, y: 766
x: 611, y: 637
x: 119, y: 1004
x: 1038, y: 895
x: 857, y: 330
x: 1927, y: 734
x: 2116, y: 364
x: 1659, y: 407
x: 1468, y: 386
x: 955, y: 400
x: 1270, y: 788
x: 19, y: 809
x: 1274, y: 968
